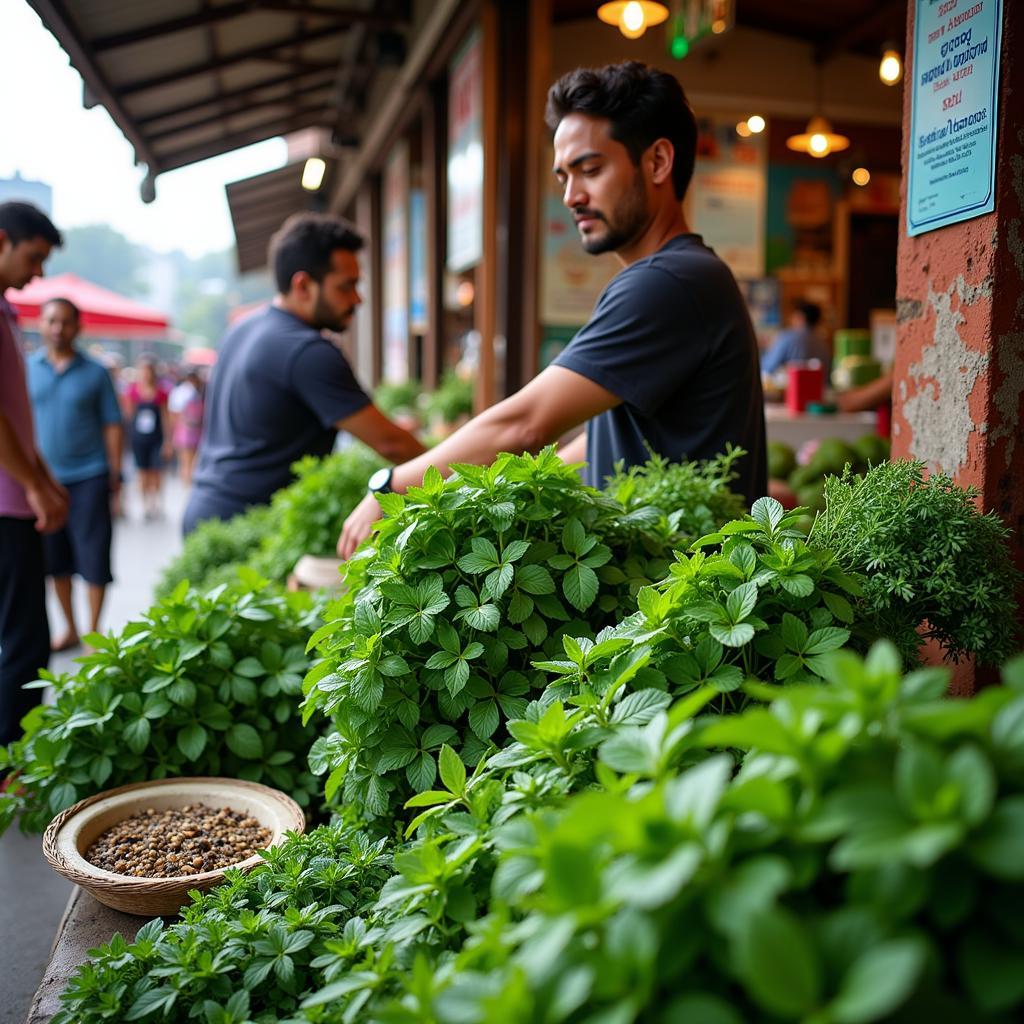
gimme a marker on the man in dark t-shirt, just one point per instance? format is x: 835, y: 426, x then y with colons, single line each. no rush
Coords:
x: 671, y: 337
x: 281, y: 389
x: 669, y: 358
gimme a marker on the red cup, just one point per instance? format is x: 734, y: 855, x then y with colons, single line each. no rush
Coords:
x: 805, y: 383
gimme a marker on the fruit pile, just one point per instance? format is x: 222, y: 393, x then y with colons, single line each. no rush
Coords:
x: 805, y: 479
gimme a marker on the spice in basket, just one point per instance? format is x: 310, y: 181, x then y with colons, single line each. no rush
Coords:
x: 176, y: 842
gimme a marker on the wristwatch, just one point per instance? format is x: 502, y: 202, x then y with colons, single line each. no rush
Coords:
x: 380, y: 482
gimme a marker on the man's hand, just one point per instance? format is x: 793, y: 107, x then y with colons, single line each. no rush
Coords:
x: 358, y: 525
x: 50, y: 505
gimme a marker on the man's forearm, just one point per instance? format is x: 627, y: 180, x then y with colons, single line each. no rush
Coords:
x: 498, y: 429
x: 113, y: 439
x: 24, y: 466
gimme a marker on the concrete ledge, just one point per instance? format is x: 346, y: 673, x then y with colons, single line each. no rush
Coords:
x: 85, y: 925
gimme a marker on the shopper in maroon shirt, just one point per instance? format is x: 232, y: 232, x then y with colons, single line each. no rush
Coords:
x: 31, y: 501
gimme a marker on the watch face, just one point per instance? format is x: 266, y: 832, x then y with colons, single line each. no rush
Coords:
x: 380, y: 480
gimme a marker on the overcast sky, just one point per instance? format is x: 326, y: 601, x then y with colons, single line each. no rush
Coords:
x: 47, y: 135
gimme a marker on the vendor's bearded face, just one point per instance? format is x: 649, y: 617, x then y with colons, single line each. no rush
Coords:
x: 602, y: 185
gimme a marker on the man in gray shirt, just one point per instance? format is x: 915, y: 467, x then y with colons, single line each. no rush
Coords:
x: 669, y: 356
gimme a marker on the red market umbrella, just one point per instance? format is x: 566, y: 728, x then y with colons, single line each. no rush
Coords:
x: 104, y: 313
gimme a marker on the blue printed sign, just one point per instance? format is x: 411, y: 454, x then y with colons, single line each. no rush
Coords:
x: 955, y: 92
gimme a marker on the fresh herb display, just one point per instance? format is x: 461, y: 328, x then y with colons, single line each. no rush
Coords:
x: 765, y: 605
x: 934, y: 565
x: 197, y: 686
x: 250, y: 949
x: 215, y: 550
x: 863, y: 864
x: 468, y: 581
x: 694, y: 498
x: 308, y: 514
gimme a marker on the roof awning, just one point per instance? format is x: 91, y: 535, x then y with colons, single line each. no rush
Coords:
x: 104, y: 313
x: 190, y: 79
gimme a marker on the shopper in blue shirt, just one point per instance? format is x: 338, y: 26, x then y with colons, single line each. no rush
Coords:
x: 798, y: 343
x: 80, y: 434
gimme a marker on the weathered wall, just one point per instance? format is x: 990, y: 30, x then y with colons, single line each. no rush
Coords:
x: 959, y: 372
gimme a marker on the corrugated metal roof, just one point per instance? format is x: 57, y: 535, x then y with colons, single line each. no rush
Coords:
x: 190, y: 79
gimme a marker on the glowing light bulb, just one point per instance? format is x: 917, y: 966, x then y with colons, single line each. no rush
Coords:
x: 861, y: 176
x: 818, y: 145
x: 743, y: 130
x: 756, y: 123
x: 633, y: 16
x: 313, y: 174
x: 890, y: 70
x: 718, y: 26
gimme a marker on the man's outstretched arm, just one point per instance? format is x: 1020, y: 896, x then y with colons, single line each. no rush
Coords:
x: 555, y: 401
x: 386, y: 438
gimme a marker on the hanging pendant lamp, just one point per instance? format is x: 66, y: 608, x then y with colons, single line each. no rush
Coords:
x: 818, y: 139
x: 633, y: 19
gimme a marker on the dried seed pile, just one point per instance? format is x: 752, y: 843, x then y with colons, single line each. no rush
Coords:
x: 181, y: 841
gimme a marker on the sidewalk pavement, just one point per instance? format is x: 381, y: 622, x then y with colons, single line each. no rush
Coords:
x: 32, y: 897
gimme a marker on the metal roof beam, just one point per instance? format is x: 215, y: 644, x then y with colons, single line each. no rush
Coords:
x: 242, y: 94
x: 264, y: 52
x: 346, y: 16
x: 306, y: 117
x: 231, y: 109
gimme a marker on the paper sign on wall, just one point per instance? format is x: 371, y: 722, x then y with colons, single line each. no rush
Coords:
x: 954, y: 101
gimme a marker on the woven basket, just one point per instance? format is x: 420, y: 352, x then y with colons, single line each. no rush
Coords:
x: 71, y: 833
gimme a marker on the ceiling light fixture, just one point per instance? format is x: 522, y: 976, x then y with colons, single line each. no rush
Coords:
x: 756, y: 123
x: 313, y: 173
x: 818, y: 139
x: 890, y: 69
x: 633, y: 19
x: 861, y: 176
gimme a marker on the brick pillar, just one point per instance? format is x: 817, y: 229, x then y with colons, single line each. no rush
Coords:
x: 958, y: 397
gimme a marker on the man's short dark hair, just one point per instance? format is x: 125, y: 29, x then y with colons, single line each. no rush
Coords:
x: 642, y: 104
x: 22, y: 221
x: 305, y: 242
x: 811, y: 313
x: 59, y: 300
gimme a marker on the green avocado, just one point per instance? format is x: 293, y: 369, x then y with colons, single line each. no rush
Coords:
x: 781, y: 460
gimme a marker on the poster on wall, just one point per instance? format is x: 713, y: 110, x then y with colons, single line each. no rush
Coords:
x: 954, y: 101
x: 726, y: 199
x: 395, y: 363
x: 466, y: 156
x: 571, y: 280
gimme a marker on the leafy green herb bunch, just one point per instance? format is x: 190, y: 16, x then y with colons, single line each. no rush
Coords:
x: 468, y: 581
x: 250, y: 949
x: 765, y: 603
x: 215, y: 550
x: 693, y: 498
x: 864, y: 864
x: 199, y: 685
x: 934, y: 565
x: 308, y: 514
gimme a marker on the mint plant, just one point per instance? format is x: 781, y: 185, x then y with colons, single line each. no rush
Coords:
x: 466, y: 582
x: 935, y: 567
x: 691, y: 498
x: 196, y: 686
x: 763, y: 603
x: 862, y: 864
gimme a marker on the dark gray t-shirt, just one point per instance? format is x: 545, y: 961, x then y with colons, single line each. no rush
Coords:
x: 276, y: 394
x: 671, y: 337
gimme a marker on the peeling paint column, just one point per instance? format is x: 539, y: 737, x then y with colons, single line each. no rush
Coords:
x: 958, y: 394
